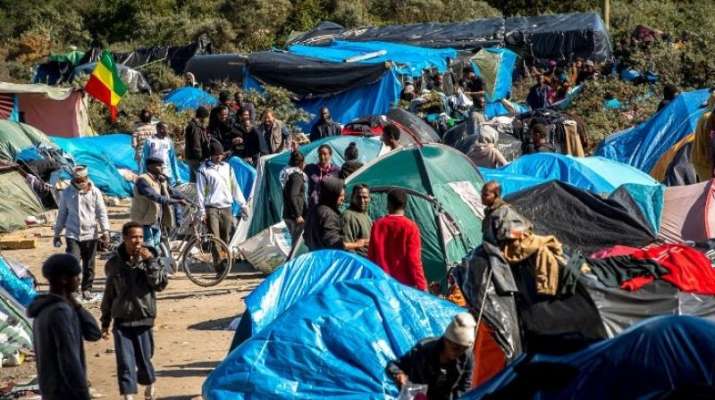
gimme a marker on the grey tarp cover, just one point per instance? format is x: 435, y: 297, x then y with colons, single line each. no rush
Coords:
x: 681, y: 171
x: 545, y: 37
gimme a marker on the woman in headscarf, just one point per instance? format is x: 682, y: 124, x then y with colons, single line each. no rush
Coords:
x: 317, y: 172
x: 484, y: 151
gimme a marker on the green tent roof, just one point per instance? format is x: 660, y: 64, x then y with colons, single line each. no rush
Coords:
x: 16, y: 136
x: 18, y: 201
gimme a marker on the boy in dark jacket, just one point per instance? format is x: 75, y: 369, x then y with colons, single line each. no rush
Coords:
x: 60, y: 324
x: 133, y: 278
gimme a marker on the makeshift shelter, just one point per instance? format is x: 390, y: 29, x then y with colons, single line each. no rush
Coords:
x: 644, y: 145
x: 296, y: 280
x: 443, y: 189
x: 57, y: 111
x: 666, y: 357
x: 689, y: 213
x: 16, y: 137
x: 176, y: 57
x: 409, y: 60
x: 18, y: 200
x: 559, y: 36
x: 190, y: 98
x: 496, y: 67
x: 212, y: 68
x: 349, y: 90
x: 413, y: 129
x: 133, y: 79
x: 582, y: 220
x: 267, y: 205
x: 597, y: 175
x: 334, y: 343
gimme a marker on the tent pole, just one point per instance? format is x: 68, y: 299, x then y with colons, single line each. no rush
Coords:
x: 607, y: 13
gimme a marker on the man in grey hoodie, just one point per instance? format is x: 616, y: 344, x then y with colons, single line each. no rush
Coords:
x: 59, y: 327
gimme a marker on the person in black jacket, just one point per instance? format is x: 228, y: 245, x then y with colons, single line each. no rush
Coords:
x: 323, y: 229
x: 294, y: 208
x: 444, y: 364
x: 196, y: 140
x: 351, y: 163
x: 60, y: 324
x: 133, y: 278
x: 325, y: 127
x: 222, y: 127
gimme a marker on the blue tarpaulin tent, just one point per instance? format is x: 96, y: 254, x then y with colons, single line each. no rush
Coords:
x: 496, y: 67
x: 409, y: 60
x: 296, y: 280
x: 245, y: 175
x: 21, y: 290
x: 332, y: 344
x: 594, y: 174
x: 663, y: 357
x: 190, y: 98
x: 643, y: 145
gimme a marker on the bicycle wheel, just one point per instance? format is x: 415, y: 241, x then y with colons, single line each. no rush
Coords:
x: 206, y: 260
x: 166, y: 255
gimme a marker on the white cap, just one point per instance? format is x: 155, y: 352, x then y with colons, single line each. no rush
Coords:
x: 80, y: 171
x: 462, y: 330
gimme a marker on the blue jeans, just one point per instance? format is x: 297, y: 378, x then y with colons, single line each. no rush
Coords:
x: 152, y: 236
x: 134, y: 348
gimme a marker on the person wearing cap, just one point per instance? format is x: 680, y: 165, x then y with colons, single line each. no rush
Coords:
x: 444, y: 364
x: 152, y: 204
x: 82, y: 215
x: 196, y: 140
x: 59, y: 327
x: 162, y: 147
x: 217, y: 190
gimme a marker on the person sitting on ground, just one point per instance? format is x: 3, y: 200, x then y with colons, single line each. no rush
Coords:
x: 670, y: 92
x: 444, y: 364
x: 152, y: 202
x: 356, y: 221
x: 269, y: 137
x: 293, y: 180
x: 325, y: 126
x: 351, y: 163
x: 196, y: 140
x: 143, y: 130
x: 484, y: 152
x: 83, y: 216
x: 319, y: 171
x: 323, y: 228
x: 162, y: 147
x: 539, y: 144
x: 216, y: 192
x: 395, y: 243
x: 391, y: 137
x: 59, y: 326
x: 437, y: 84
x: 133, y: 278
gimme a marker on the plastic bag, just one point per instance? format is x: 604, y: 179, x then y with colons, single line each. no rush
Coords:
x: 413, y: 391
x: 268, y: 249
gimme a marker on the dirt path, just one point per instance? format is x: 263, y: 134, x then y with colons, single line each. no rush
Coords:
x: 189, y: 335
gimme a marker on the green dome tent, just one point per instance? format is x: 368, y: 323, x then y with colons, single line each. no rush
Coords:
x: 16, y: 136
x: 444, y: 200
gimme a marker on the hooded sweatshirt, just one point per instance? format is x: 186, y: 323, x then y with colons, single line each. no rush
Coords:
x: 323, y: 228
x: 58, y: 330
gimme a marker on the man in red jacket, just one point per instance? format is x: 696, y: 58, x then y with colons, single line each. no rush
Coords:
x: 395, y: 243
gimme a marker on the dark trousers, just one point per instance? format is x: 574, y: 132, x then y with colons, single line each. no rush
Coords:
x: 85, y: 251
x: 219, y: 221
x: 134, y: 348
x: 193, y: 167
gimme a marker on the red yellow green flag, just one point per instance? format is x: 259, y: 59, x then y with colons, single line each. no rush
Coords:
x: 105, y: 85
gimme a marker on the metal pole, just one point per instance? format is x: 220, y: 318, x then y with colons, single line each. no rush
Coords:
x: 607, y: 13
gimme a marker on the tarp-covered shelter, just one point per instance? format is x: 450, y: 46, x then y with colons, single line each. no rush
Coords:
x: 210, y: 68
x: 190, y: 98
x: 18, y: 200
x: 413, y: 129
x: 666, y: 357
x: 296, y: 280
x: 56, y: 111
x: 16, y: 137
x: 644, y: 145
x: 583, y: 220
x: 496, y: 67
x: 267, y: 205
x: 175, y: 56
x: 332, y: 344
x: 443, y: 189
x: 559, y: 36
x: 409, y: 60
x: 597, y: 175
x: 349, y: 90
x: 689, y: 213
x: 133, y: 79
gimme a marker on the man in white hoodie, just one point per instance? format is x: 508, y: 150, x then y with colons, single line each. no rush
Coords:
x: 83, y: 217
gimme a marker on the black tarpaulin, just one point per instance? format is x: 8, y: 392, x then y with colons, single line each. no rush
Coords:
x: 210, y: 68
x: 416, y: 126
x: 309, y: 77
x: 579, y: 219
x: 175, y: 56
x: 681, y: 172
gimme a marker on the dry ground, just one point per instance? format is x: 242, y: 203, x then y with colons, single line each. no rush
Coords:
x: 189, y: 335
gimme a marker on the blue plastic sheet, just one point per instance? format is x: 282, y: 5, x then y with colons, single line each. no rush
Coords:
x: 373, y: 99
x: 245, y: 175
x: 103, y: 155
x: 410, y: 60
x: 502, y: 83
x: 21, y: 290
x: 643, y: 145
x: 656, y: 358
x: 595, y: 174
x: 190, y: 98
x: 296, y: 280
x: 333, y: 344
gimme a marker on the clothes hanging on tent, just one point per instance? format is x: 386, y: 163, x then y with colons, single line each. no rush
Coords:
x: 545, y: 253
x: 572, y: 140
x: 688, y: 269
x: 615, y: 271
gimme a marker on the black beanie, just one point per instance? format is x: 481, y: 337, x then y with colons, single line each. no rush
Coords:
x: 202, y: 112
x: 60, y: 265
x: 215, y: 148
